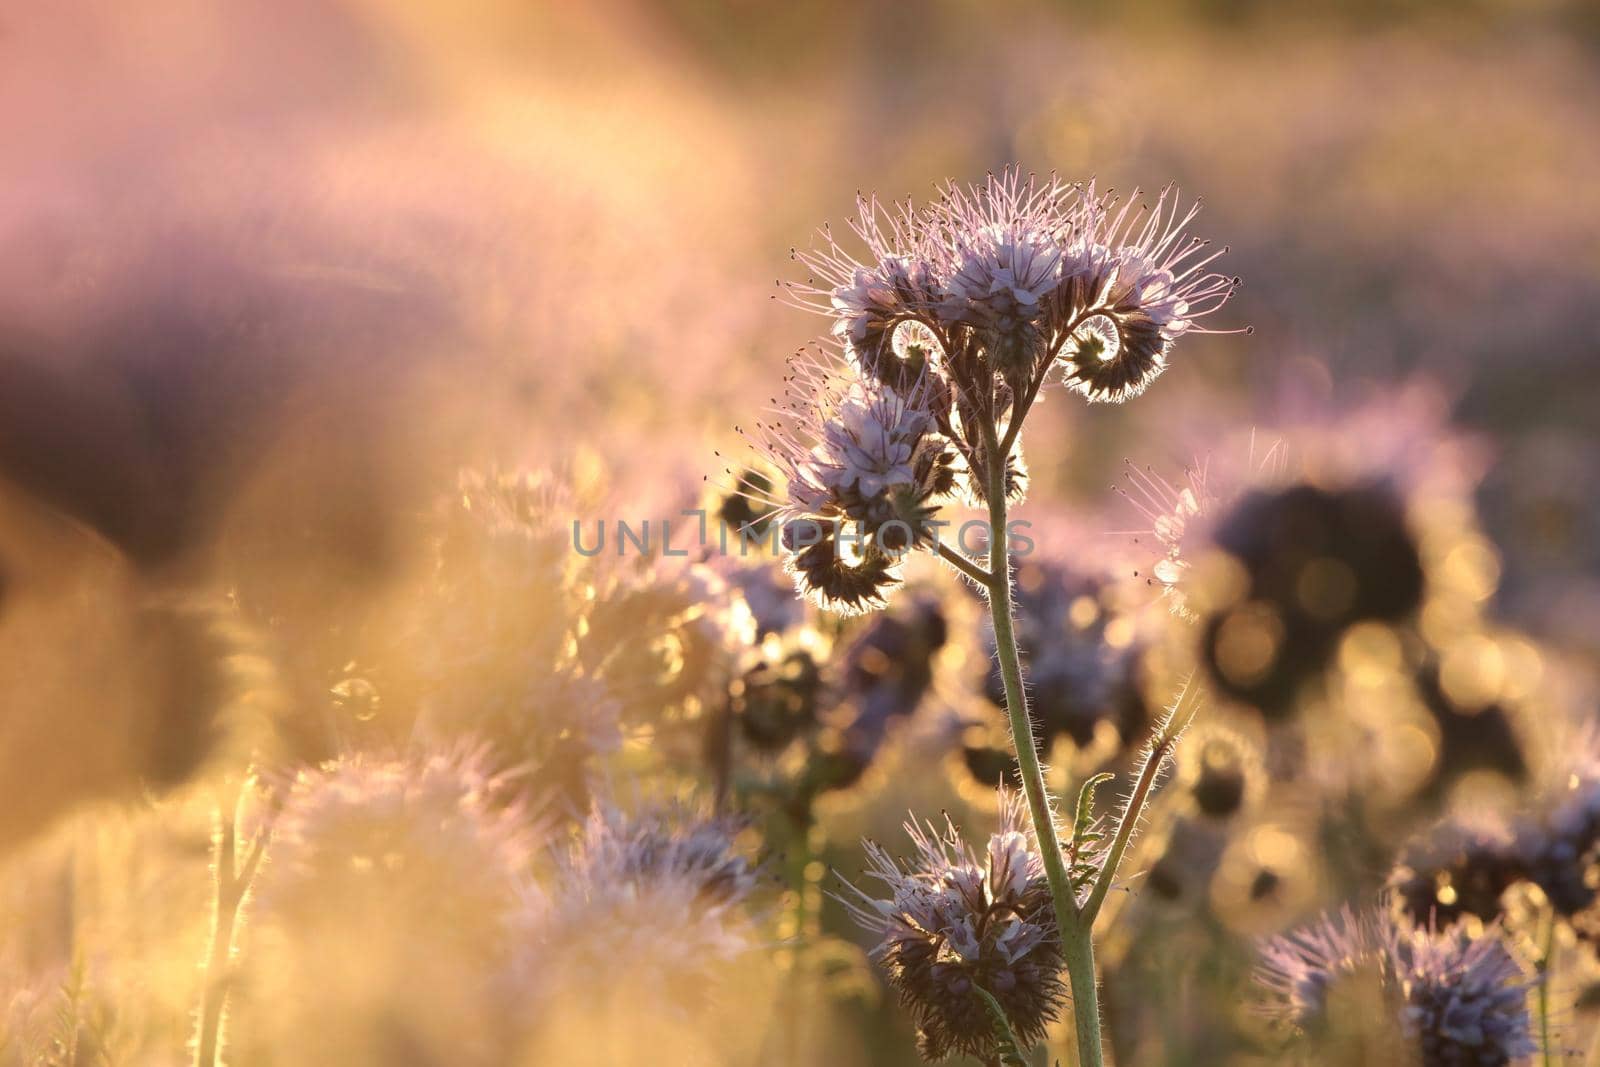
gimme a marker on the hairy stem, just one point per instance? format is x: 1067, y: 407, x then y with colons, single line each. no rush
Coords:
x: 964, y: 565
x: 1075, y: 935
x: 1077, y: 948
x: 1161, y: 746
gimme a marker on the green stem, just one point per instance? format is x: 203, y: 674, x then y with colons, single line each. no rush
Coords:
x: 1182, y: 714
x: 1077, y: 948
x: 1075, y: 936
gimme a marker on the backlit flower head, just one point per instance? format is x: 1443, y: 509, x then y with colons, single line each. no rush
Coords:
x: 864, y: 470
x: 1137, y: 283
x: 1004, y: 244
x: 1453, y: 997
x: 954, y: 921
x: 1010, y: 277
x: 870, y: 298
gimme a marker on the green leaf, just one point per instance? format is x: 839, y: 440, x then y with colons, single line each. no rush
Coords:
x: 1010, y: 1051
x: 1083, y: 824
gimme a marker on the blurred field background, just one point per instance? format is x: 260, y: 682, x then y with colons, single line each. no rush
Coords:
x: 272, y: 273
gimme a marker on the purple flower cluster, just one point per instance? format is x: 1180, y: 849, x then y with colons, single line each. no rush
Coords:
x: 1455, y: 998
x: 955, y: 922
x: 949, y: 326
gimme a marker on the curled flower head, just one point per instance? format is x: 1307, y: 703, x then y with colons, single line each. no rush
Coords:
x: 877, y: 317
x: 865, y: 451
x: 1005, y: 244
x: 1137, y: 283
x: 956, y: 921
x: 1454, y: 998
x: 1016, y: 275
x: 835, y: 572
x: 864, y: 467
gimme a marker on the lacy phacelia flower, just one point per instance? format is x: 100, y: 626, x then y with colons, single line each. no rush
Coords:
x: 1005, y: 247
x: 955, y: 922
x: 1137, y: 284
x: 865, y: 466
x: 1015, y: 276
x: 877, y: 315
x: 952, y: 324
x: 1454, y: 998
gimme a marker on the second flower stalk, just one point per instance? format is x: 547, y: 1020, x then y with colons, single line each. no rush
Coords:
x: 1076, y: 896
